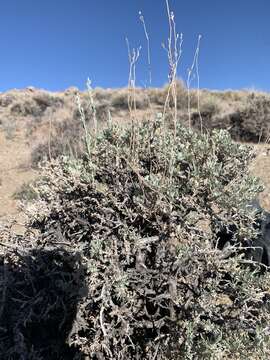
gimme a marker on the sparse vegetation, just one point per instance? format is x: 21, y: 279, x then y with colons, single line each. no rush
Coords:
x: 245, y: 114
x: 26, y: 193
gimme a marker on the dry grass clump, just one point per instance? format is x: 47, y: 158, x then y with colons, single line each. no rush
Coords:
x: 121, y: 99
x: 145, y: 211
x: 26, y: 193
x: 63, y: 140
x: 103, y: 95
x: 211, y: 104
x: 244, y: 114
x: 252, y: 123
x: 66, y: 134
x: 29, y: 109
x: 6, y: 99
x: 157, y: 96
x: 35, y: 105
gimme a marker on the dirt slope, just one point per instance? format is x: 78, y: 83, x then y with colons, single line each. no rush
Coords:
x: 15, y: 170
x: 261, y: 168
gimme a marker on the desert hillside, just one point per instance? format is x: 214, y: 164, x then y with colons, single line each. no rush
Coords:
x: 37, y: 124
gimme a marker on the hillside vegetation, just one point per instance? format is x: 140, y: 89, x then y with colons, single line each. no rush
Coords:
x: 37, y: 124
x: 245, y: 114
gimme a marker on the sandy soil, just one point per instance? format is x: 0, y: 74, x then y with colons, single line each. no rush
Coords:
x: 14, y: 171
x: 261, y: 168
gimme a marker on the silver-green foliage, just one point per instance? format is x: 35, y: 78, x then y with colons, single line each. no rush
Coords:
x: 145, y: 209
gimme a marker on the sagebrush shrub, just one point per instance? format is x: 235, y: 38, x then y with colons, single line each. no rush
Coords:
x: 145, y: 209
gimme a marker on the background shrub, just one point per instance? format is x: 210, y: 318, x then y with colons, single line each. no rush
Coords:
x: 120, y: 99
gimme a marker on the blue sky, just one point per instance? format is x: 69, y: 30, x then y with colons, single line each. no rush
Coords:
x: 54, y: 44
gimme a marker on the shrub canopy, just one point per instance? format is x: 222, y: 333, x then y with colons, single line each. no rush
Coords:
x: 145, y: 209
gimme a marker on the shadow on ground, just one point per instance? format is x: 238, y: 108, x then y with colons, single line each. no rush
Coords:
x: 40, y: 292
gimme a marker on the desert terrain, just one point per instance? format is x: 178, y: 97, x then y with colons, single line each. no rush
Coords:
x: 37, y: 124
